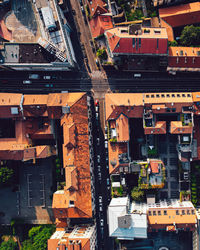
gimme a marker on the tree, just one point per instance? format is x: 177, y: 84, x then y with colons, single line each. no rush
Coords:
x: 190, y: 36
x: 8, y: 245
x: 6, y: 175
x: 137, y: 194
x: 102, y: 54
x: 38, y: 237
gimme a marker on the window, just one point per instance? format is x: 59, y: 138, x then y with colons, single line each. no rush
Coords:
x: 168, y: 95
x: 178, y: 95
x: 183, y: 212
x: 183, y: 95
x: 159, y: 212
x: 147, y: 96
x: 133, y: 40
x: 162, y: 95
x: 173, y: 95
x: 157, y: 43
x: 136, y: 43
x: 188, y: 211
x: 188, y: 95
x: 139, y: 42
x: 152, y: 96
x: 157, y: 95
x: 193, y: 212
x: 154, y: 213
x: 177, y: 212
x: 150, y: 213
x: 165, y: 212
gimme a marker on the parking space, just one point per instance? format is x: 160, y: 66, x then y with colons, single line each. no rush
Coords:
x: 35, y: 191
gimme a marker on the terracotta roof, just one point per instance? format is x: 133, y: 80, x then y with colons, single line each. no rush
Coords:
x: 160, y: 128
x: 176, y: 127
x: 171, y: 217
x: 77, y: 157
x: 10, y: 99
x: 99, y: 24
x: 4, y: 32
x: 97, y: 7
x: 154, y: 164
x: 35, y: 99
x: 167, y: 97
x: 187, y: 51
x: 122, y: 128
x: 63, y: 99
x: 120, y: 41
x: 72, y: 178
x: 114, y: 100
x: 114, y: 149
x: 69, y: 135
x: 44, y: 151
x: 181, y: 15
x: 196, y: 96
x: 170, y: 32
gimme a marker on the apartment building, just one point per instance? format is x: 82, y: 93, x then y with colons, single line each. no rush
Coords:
x: 73, y: 238
x: 138, y: 47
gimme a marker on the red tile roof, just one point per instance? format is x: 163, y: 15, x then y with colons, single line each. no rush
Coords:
x: 160, y: 128
x: 154, y: 164
x: 181, y: 15
x: 176, y: 127
x: 97, y: 7
x: 99, y: 24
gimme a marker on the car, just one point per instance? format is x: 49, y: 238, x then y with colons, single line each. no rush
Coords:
x: 47, y: 77
x: 98, y: 158
x: 137, y: 75
x: 99, y: 168
x: 97, y: 108
x: 106, y: 136
x: 100, y: 199
x: 34, y: 76
x: 98, y: 141
x: 97, y: 63
x: 101, y: 222
x: 27, y: 82
x: 106, y: 129
x: 99, y: 176
x: 108, y: 181
x: 96, y: 102
x: 106, y: 144
x: 82, y: 9
x: 97, y: 116
x: 102, y: 233
x: 100, y: 208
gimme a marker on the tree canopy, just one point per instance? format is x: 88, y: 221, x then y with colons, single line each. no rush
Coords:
x: 137, y: 194
x: 102, y: 54
x: 8, y: 245
x: 38, y: 237
x: 6, y: 175
x: 190, y: 36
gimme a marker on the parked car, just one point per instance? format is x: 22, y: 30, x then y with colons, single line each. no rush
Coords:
x: 97, y: 116
x: 108, y: 181
x: 106, y: 144
x: 98, y: 158
x: 99, y: 176
x: 99, y: 168
x: 100, y: 208
x: 34, y: 76
x: 47, y: 77
x: 101, y: 222
x: 27, y: 82
x: 106, y: 136
x: 98, y: 141
x: 106, y: 129
x: 100, y: 199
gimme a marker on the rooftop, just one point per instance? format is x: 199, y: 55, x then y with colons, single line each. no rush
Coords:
x: 181, y: 15
x: 184, y: 51
x: 100, y: 24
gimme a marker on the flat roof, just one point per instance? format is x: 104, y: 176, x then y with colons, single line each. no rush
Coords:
x: 148, y: 32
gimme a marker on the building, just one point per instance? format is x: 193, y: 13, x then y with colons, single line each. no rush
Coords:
x: 127, y: 221
x: 74, y: 238
x: 184, y: 59
x: 28, y: 128
x: 27, y: 44
x: 172, y: 216
x: 158, y: 3
x: 77, y: 198
x: 179, y: 16
x: 138, y: 47
x: 97, y: 7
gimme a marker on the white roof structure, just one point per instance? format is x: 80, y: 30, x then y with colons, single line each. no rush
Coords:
x: 48, y: 18
x: 126, y: 225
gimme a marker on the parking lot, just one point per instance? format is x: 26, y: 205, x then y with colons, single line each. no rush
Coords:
x: 35, y: 191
